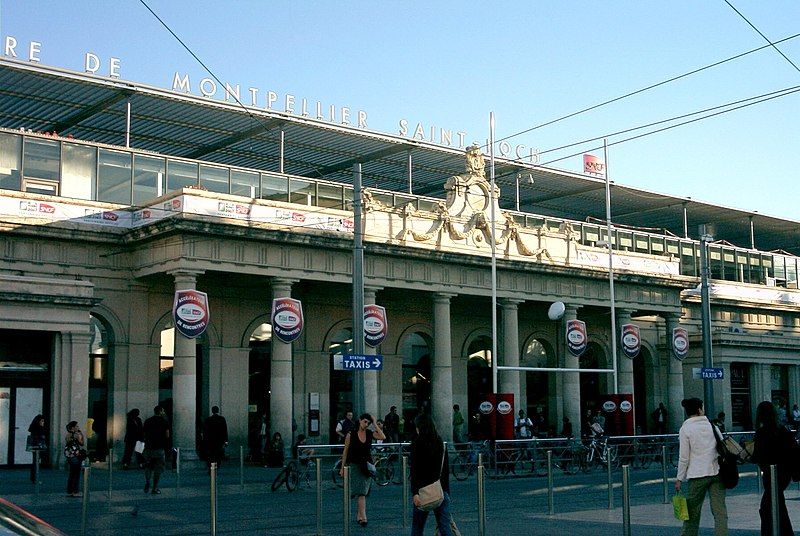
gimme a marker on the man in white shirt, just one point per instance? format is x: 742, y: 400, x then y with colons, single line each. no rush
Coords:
x: 523, y: 426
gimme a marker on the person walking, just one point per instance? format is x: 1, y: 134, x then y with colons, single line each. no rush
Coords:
x: 659, y: 417
x: 134, y: 432
x: 429, y: 463
x: 356, y: 456
x: 391, y: 425
x: 37, y: 443
x: 773, y: 445
x: 75, y: 454
x: 458, y: 425
x: 215, y: 437
x: 156, y: 441
x: 697, y: 462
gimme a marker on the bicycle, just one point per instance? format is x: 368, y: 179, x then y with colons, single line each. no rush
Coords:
x: 289, y: 475
x: 465, y: 462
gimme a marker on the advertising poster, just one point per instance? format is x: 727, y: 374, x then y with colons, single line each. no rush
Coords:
x: 497, y: 416
x: 618, y: 411
x: 577, y: 341
x: 375, y: 325
x: 680, y: 342
x: 287, y: 319
x: 631, y: 341
x: 190, y: 313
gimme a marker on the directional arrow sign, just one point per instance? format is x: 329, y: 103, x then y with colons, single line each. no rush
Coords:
x: 711, y: 373
x: 357, y: 362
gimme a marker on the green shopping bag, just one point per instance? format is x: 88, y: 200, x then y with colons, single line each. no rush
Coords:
x: 680, y: 507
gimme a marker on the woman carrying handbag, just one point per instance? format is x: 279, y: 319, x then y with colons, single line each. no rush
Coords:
x: 430, y: 480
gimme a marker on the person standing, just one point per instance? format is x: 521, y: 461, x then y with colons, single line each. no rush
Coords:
x: 458, y: 425
x: 156, y: 441
x: 523, y: 426
x: 356, y: 455
x: 795, y: 416
x: 566, y: 429
x: 659, y: 417
x: 75, y: 454
x: 697, y: 462
x: 391, y: 425
x: 37, y: 443
x: 783, y: 418
x: 429, y: 463
x: 215, y: 437
x: 134, y: 432
x: 345, y: 426
x: 773, y: 445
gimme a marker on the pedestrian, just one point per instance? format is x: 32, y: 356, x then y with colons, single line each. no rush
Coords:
x: 720, y: 421
x: 382, y: 428
x: 263, y: 437
x: 523, y: 426
x: 783, y: 418
x: 599, y: 419
x: 795, y: 416
x: 773, y: 445
x: 566, y: 429
x: 275, y: 454
x: 156, y: 441
x: 37, y: 441
x: 697, y: 462
x: 345, y: 426
x: 75, y: 454
x: 391, y: 425
x: 429, y: 463
x: 134, y: 432
x: 659, y: 417
x: 458, y: 425
x: 215, y: 437
x: 357, y: 458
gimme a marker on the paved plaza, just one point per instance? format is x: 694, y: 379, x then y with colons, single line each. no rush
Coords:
x: 514, y: 506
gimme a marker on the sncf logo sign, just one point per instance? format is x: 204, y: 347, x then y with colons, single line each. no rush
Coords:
x: 593, y: 165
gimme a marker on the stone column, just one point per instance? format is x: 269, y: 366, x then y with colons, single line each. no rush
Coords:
x: 184, y: 377
x: 674, y: 378
x: 371, y: 377
x: 625, y: 364
x: 794, y: 387
x: 280, y: 385
x: 509, y: 380
x: 572, y: 380
x: 442, y: 381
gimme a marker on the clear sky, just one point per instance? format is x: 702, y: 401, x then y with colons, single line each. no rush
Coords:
x: 448, y: 64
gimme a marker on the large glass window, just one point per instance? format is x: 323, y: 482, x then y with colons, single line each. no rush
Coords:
x: 78, y: 171
x: 181, y: 175
x: 302, y: 192
x: 244, y: 183
x: 114, y: 177
x: 275, y: 188
x: 214, y: 179
x: 329, y: 196
x: 148, y: 178
x: 42, y: 159
x: 10, y: 161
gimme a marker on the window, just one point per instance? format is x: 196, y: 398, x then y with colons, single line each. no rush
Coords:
x: 114, y: 177
x: 244, y: 183
x: 35, y: 186
x: 148, y: 178
x: 78, y: 171
x: 329, y: 196
x: 42, y: 159
x: 10, y: 161
x: 275, y: 188
x: 302, y: 192
x: 214, y: 179
x: 180, y: 175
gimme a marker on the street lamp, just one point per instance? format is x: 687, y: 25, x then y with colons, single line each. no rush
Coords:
x: 706, y: 236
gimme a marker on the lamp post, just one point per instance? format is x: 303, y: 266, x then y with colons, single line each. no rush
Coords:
x: 706, y: 236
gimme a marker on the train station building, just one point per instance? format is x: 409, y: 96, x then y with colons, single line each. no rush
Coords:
x: 114, y: 195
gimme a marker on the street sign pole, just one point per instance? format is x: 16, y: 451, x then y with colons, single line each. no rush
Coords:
x: 705, y: 306
x: 359, y: 401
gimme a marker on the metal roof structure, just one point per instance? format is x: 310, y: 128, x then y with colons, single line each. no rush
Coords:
x: 93, y: 108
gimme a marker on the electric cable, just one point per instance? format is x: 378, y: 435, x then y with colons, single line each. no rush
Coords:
x: 762, y: 35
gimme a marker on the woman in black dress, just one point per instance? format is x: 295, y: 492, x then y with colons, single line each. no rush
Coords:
x: 356, y: 455
x: 772, y: 446
x: 38, y: 442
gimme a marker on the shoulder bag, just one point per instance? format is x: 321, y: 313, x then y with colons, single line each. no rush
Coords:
x: 728, y: 462
x: 432, y: 495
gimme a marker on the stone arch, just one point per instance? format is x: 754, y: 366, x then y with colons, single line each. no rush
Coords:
x: 251, y: 327
x: 539, y: 389
x: 120, y: 335
x: 420, y: 328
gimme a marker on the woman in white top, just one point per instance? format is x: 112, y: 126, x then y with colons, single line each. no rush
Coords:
x: 698, y: 464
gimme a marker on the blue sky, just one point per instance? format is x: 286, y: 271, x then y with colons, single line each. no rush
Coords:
x: 448, y: 64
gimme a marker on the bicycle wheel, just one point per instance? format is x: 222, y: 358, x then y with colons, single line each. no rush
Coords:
x: 335, y: 477
x: 385, y: 471
x: 293, y: 478
x: 282, y: 477
x: 461, y: 467
x: 613, y: 454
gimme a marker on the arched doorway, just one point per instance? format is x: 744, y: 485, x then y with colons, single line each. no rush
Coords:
x: 416, y: 352
x: 100, y: 350
x: 341, y: 381
x: 539, y: 385
x: 593, y: 357
x: 640, y: 362
x: 479, y: 380
x: 258, y: 388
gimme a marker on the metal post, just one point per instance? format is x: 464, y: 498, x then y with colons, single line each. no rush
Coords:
x: 492, y: 217
x: 85, y: 505
x: 177, y: 470
x: 36, y: 468
x: 626, y: 500
x: 318, y: 461
x: 609, y: 230
x: 405, y: 490
x: 241, y: 467
x: 550, y: 504
x: 128, y: 125
x: 110, y: 472
x: 664, y: 473
x: 410, y: 174
x: 481, y: 502
x: 610, y: 480
x: 758, y: 478
x: 705, y: 306
x: 359, y: 400
x: 281, y: 150
x: 346, y: 495
x: 773, y: 496
x: 213, y: 499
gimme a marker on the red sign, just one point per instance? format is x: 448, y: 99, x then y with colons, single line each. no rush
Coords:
x: 593, y: 165
x: 577, y: 341
x: 375, y: 325
x: 618, y: 411
x: 190, y: 313
x: 631, y: 341
x: 680, y: 342
x: 497, y: 416
x: 287, y: 319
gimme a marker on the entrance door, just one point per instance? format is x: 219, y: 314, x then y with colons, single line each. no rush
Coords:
x: 18, y: 407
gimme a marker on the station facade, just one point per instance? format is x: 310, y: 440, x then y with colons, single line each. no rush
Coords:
x: 97, y: 238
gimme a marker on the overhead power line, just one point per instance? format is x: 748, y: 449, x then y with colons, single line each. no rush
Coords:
x: 762, y: 35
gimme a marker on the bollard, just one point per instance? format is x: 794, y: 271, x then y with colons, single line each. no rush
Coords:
x: 405, y: 491
x: 213, y: 499
x: 664, y: 473
x: 610, y: 480
x: 481, y: 500
x: 318, y: 461
x: 85, y: 505
x: 36, y: 468
x: 773, y: 496
x: 550, y: 505
x: 177, y: 471
x: 241, y: 467
x: 626, y: 500
x: 110, y: 472
x: 758, y: 477
x: 346, y: 494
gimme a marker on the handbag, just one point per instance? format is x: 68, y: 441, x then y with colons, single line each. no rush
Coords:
x: 679, y: 507
x: 432, y: 495
x: 728, y: 462
x: 139, y: 447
